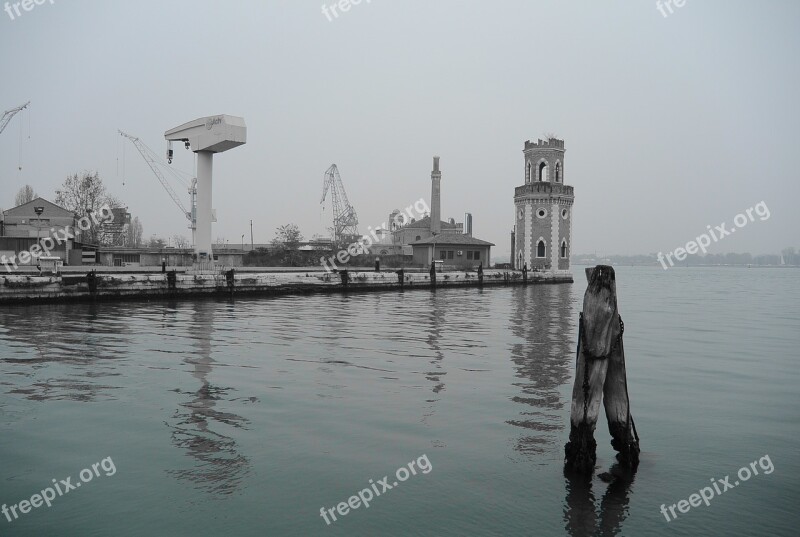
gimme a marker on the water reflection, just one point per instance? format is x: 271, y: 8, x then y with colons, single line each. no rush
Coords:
x: 198, y: 425
x: 580, y: 515
x: 75, y: 346
x: 544, y: 323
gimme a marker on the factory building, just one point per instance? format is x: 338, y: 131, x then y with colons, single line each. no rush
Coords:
x: 446, y: 242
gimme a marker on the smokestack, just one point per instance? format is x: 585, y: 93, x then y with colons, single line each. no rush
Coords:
x: 436, y: 202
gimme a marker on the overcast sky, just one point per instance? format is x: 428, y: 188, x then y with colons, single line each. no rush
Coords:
x: 670, y: 123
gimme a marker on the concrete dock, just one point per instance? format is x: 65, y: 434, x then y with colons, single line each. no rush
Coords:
x: 25, y: 288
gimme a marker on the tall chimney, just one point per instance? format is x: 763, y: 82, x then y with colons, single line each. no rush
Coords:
x: 436, y: 202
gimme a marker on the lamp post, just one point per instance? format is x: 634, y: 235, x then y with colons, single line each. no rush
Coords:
x: 38, y: 211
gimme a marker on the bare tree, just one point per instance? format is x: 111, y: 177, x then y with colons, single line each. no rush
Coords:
x: 288, y: 239
x: 156, y: 242
x: 134, y: 234
x: 85, y: 194
x: 181, y: 241
x: 26, y: 194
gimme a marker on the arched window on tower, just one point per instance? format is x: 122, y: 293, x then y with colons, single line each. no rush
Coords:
x: 558, y: 172
x: 543, y: 171
x: 529, y: 173
x: 563, y: 249
x: 540, y: 249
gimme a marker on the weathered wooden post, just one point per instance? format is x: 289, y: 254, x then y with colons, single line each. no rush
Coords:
x: 480, y: 274
x: 525, y: 274
x: 401, y: 278
x: 433, y: 274
x: 600, y: 374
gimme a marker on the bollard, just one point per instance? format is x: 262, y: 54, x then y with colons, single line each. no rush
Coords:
x: 231, y: 280
x: 91, y: 281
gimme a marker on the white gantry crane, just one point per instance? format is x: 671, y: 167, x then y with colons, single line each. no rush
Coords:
x: 8, y: 114
x: 156, y: 164
x: 206, y: 136
x: 345, y: 220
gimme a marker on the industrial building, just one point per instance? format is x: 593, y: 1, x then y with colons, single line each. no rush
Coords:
x: 445, y: 242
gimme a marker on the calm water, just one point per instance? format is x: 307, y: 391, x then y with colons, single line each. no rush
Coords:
x: 246, y: 417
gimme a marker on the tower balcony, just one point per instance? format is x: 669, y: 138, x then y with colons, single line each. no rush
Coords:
x: 543, y: 187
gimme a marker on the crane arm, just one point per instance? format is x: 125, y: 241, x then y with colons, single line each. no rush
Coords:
x: 150, y: 158
x: 8, y: 114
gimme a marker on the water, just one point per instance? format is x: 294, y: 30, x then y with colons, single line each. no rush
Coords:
x: 246, y: 417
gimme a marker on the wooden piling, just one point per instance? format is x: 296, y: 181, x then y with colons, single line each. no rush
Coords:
x: 600, y: 374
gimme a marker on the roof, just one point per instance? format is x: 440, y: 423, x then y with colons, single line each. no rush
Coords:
x: 27, y: 209
x: 452, y: 238
x: 425, y: 223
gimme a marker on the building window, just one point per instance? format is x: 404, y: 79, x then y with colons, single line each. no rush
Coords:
x: 540, y: 249
x: 469, y: 255
x: 125, y: 258
x: 450, y: 254
x: 541, y: 212
x: 442, y: 254
x: 477, y: 256
x: 558, y: 172
x: 563, y: 249
x: 543, y: 171
x: 564, y: 214
x: 418, y: 238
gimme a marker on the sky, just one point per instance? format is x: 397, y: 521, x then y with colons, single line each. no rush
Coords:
x: 670, y: 123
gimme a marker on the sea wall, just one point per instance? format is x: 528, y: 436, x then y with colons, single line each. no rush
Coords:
x: 19, y: 288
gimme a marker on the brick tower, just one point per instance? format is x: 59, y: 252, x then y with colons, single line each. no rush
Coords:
x: 543, y: 209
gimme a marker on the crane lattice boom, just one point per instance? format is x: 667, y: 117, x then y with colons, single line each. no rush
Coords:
x: 8, y: 114
x: 345, y: 220
x: 154, y: 162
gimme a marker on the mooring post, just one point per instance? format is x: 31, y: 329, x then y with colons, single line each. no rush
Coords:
x: 433, y: 274
x: 480, y: 274
x: 345, y: 277
x: 231, y: 279
x: 525, y: 274
x: 600, y: 373
x: 401, y: 278
x: 91, y: 281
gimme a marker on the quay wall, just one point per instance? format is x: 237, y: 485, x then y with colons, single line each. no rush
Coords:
x: 21, y: 288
